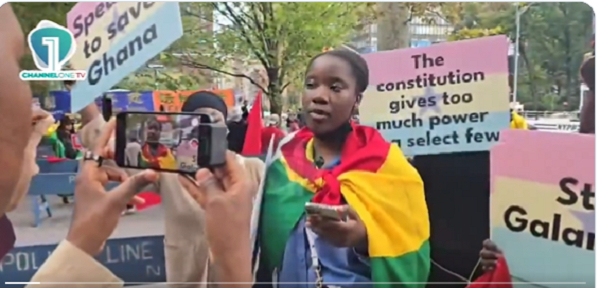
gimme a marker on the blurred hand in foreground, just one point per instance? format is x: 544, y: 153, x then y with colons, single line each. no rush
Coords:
x: 41, y: 120
x: 97, y: 212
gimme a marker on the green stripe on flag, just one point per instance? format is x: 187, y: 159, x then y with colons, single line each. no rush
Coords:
x: 409, y: 270
x: 282, y: 207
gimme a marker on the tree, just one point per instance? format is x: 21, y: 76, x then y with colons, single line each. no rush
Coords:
x: 29, y: 15
x: 393, y: 20
x: 146, y: 80
x: 553, y: 39
x: 281, y: 37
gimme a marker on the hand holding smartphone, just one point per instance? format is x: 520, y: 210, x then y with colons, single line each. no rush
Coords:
x: 169, y: 142
x: 330, y: 212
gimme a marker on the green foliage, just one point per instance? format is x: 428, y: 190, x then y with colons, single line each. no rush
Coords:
x: 466, y: 33
x: 31, y: 13
x: 281, y: 37
x: 553, y: 39
x: 148, y: 80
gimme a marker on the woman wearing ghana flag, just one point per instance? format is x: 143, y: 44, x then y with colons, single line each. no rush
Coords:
x: 335, y: 162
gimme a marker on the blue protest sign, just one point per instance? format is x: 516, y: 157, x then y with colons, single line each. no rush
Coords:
x: 58, y: 103
x: 131, y: 101
x: 111, y: 50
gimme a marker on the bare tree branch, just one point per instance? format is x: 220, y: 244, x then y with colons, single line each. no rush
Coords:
x: 243, y: 31
x: 196, y: 65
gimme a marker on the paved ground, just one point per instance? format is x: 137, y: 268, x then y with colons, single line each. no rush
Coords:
x: 52, y: 230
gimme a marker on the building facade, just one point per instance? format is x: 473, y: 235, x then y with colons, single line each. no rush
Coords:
x: 423, y: 32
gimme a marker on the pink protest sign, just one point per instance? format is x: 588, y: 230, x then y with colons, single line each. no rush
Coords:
x: 446, y: 98
x: 543, y: 206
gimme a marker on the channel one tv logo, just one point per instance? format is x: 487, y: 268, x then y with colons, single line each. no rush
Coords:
x: 51, y: 47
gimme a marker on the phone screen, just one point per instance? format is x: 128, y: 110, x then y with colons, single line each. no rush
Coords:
x: 161, y: 141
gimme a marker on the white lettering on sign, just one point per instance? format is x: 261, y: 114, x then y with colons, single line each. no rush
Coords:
x: 153, y: 270
x: 127, y: 252
x: 24, y: 261
x: 72, y: 178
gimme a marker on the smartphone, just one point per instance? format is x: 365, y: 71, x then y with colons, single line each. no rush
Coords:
x: 332, y: 212
x: 169, y: 142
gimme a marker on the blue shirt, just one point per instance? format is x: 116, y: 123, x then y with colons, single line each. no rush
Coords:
x: 339, y: 266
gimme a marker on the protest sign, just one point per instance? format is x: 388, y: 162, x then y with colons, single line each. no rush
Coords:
x: 167, y: 101
x: 116, y: 38
x: 171, y: 101
x: 228, y: 96
x: 543, y: 206
x: 58, y: 103
x: 449, y: 97
x: 131, y: 101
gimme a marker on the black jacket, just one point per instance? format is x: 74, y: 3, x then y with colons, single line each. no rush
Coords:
x: 236, y: 136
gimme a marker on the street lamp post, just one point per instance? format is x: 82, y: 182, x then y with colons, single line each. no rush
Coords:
x: 155, y: 68
x: 518, y: 12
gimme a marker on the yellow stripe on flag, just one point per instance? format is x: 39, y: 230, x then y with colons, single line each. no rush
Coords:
x: 391, y: 204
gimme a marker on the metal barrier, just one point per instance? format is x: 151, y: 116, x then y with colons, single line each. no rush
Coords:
x: 54, y: 179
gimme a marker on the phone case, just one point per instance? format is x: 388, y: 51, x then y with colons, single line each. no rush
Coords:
x: 178, y: 152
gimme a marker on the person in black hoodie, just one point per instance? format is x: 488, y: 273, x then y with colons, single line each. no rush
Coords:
x: 237, y: 131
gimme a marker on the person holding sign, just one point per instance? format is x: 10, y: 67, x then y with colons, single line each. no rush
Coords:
x: 333, y: 165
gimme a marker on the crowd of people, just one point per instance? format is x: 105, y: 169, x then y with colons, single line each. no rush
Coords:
x: 207, y: 230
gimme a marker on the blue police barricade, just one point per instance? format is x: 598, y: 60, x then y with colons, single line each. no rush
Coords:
x: 54, y: 179
x: 135, y: 260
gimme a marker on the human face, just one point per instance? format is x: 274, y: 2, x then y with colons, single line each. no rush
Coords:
x: 153, y: 133
x: 329, y: 95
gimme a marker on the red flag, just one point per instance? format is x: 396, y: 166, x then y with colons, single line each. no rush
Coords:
x: 497, y: 278
x: 150, y: 199
x: 54, y: 159
x: 252, y: 142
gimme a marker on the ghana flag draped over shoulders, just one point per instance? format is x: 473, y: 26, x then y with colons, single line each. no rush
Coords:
x: 375, y: 179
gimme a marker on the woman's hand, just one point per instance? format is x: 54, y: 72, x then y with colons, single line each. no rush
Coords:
x: 227, y: 200
x: 97, y: 213
x: 349, y: 233
x: 489, y: 255
x: 226, y: 197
